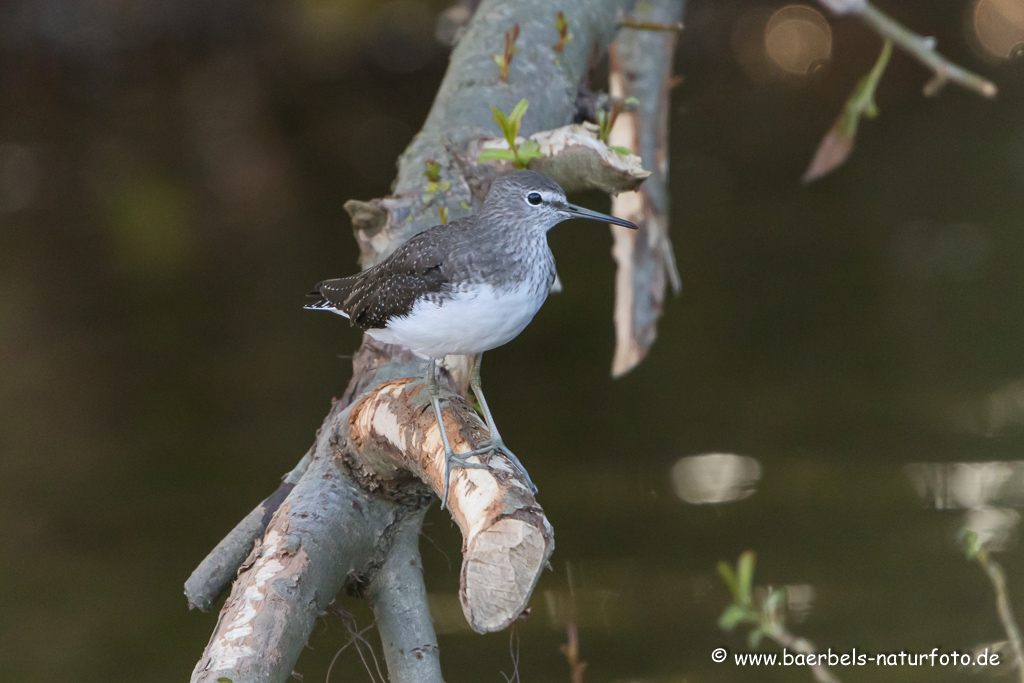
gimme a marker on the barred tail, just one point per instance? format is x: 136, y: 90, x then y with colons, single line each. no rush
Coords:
x: 330, y: 295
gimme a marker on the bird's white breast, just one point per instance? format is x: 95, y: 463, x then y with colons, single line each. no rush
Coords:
x: 475, y: 319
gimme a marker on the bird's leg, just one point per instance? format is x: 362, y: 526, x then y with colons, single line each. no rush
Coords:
x: 450, y: 458
x: 494, y: 444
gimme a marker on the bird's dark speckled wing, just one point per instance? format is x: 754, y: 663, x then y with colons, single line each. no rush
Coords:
x: 418, y: 268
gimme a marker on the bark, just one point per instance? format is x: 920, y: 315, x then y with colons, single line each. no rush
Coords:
x: 507, y: 538
x: 327, y: 533
x: 641, y: 67
x: 212, y: 577
x: 577, y: 160
x: 399, y: 601
x: 462, y: 113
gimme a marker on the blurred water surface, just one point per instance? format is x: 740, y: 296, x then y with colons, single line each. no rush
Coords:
x: 171, y: 183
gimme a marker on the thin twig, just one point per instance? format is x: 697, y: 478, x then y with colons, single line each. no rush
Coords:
x: 513, y: 650
x: 354, y: 637
x: 423, y: 534
x: 998, y: 579
x: 919, y: 47
x: 571, y: 650
x: 787, y: 640
x: 366, y: 664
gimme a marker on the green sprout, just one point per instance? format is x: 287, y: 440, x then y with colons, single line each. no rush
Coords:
x: 436, y: 188
x: 433, y: 171
x: 837, y: 145
x: 742, y: 610
x: 564, y: 37
x: 606, y: 120
x: 504, y: 60
x: 519, y: 156
x: 767, y: 618
x: 977, y: 550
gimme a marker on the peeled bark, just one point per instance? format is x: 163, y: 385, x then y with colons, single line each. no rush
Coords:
x: 641, y: 67
x: 507, y: 538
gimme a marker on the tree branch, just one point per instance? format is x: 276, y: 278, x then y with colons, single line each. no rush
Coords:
x: 641, y: 67
x: 507, y: 539
x: 997, y: 576
x: 919, y: 47
x: 575, y: 159
x: 399, y: 601
x: 327, y: 533
x: 215, y: 573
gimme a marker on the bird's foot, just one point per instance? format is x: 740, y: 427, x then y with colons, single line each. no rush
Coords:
x: 453, y: 460
x: 488, y: 448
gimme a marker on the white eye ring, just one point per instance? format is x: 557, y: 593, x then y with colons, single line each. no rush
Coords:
x: 534, y: 199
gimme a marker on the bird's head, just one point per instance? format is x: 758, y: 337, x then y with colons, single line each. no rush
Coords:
x: 533, y: 199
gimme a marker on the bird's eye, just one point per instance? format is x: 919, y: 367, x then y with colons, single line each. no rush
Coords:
x: 534, y: 198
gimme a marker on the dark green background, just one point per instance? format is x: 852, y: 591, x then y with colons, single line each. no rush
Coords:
x: 179, y: 174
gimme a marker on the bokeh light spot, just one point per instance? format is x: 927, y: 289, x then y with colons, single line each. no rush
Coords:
x: 998, y: 26
x: 798, y: 39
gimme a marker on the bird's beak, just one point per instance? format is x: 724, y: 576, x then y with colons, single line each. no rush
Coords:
x: 579, y: 212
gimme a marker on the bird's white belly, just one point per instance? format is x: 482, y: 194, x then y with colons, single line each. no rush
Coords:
x: 471, y: 321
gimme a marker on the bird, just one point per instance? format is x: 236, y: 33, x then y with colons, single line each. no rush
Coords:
x: 463, y: 287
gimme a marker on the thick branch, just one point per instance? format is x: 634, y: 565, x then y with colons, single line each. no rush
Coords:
x: 328, y: 532
x: 399, y: 601
x: 507, y: 538
x: 917, y: 46
x: 641, y: 67
x: 212, y: 577
x: 461, y: 112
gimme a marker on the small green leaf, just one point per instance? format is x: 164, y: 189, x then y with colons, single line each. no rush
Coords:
x: 754, y: 638
x: 499, y: 117
x: 224, y: 679
x: 499, y: 60
x: 604, y: 126
x: 733, y: 615
x: 519, y: 110
x: 529, y: 150
x: 972, y: 545
x: 631, y: 102
x: 496, y: 155
x: 725, y: 570
x: 745, y: 577
x: 621, y: 150
x: 774, y: 601
x: 433, y: 170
